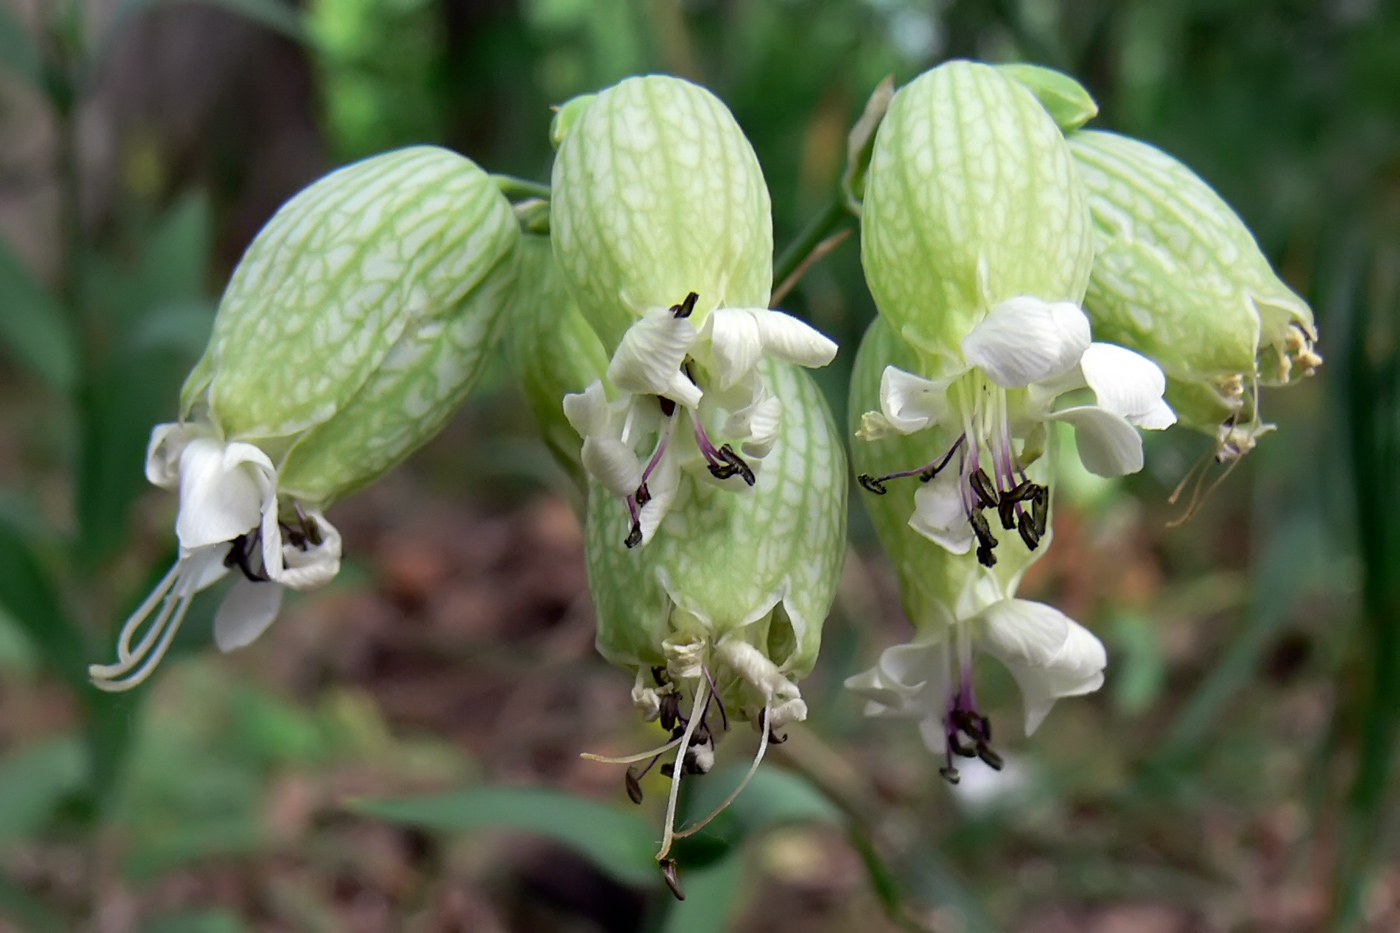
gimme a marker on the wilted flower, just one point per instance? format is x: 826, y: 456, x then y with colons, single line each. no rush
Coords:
x: 355, y: 323
x: 976, y: 245
x: 661, y: 226
x: 720, y: 616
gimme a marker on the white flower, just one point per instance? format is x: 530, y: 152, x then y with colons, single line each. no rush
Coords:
x: 667, y: 370
x: 1016, y: 363
x: 228, y: 518
x: 930, y: 679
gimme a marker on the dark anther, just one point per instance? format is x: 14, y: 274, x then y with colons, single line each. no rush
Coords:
x: 685, y: 308
x: 239, y: 551
x: 956, y: 746
x: 991, y: 758
x: 309, y: 528
x: 642, y: 496
x: 732, y: 465
x: 982, y: 530
x: 1007, y: 507
x: 668, y: 407
x: 985, y: 557
x: 634, y: 784
x: 950, y: 774
x: 673, y: 881
x: 658, y: 676
x: 668, y: 769
x: 670, y: 711
x: 986, y: 725
x: 1028, y: 534
x: 775, y: 739
x: 294, y: 536
x: 871, y: 484
x: 634, y: 537
x: 986, y: 492
x: 1040, y: 510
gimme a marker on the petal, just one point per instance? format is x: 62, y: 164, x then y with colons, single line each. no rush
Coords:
x: 245, y: 613
x: 1025, y: 340
x: 307, y: 566
x: 663, y: 484
x: 911, y: 403
x: 1108, y: 445
x: 648, y: 360
x: 757, y: 425
x: 1127, y: 384
x: 613, y: 464
x: 1048, y: 653
x: 168, y: 441
x: 736, y: 334
x: 588, y: 411
x: 221, y: 491
x: 939, y: 513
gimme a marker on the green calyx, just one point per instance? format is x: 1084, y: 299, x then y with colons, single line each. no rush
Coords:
x: 657, y: 193
x: 358, y: 319
x: 1179, y: 278
x: 731, y: 578
x: 1064, y: 98
x: 552, y: 350
x: 931, y: 578
x: 971, y: 198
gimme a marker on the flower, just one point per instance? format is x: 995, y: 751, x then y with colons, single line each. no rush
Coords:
x: 1016, y: 363
x: 357, y: 320
x: 930, y: 679
x: 662, y: 228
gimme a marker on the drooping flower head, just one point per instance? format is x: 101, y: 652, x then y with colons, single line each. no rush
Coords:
x: 958, y: 605
x: 976, y: 246
x: 355, y: 323
x: 661, y: 227
x: 1178, y: 277
x: 720, y: 616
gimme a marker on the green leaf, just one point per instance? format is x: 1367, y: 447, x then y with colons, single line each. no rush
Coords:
x: 31, y: 596
x: 34, y: 781
x: 18, y: 51
x: 620, y: 843
x: 709, y: 898
x: 33, y: 328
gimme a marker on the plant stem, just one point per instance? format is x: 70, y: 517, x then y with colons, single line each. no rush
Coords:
x: 821, y: 226
x: 520, y: 188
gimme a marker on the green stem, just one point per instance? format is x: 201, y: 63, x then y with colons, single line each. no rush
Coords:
x: 822, y: 226
x: 520, y: 188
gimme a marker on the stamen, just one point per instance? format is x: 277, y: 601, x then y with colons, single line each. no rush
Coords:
x: 175, y: 602
x: 719, y: 701
x: 642, y: 496
x: 701, y: 692
x: 672, y: 879
x: 753, y: 769
x: 629, y: 759
x: 986, y: 492
x: 876, y: 484
x: 723, y: 462
x: 686, y: 307
x: 242, y: 548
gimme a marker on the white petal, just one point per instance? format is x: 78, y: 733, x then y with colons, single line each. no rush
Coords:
x: 222, y: 490
x: 648, y: 359
x: 588, y: 411
x: 911, y: 403
x: 310, y: 566
x: 663, y: 484
x: 1050, y: 655
x: 1025, y: 340
x: 1108, y: 445
x: 939, y: 514
x: 757, y: 426
x: 613, y: 464
x: 739, y: 337
x: 1127, y: 384
x: 168, y: 442
x: 245, y: 613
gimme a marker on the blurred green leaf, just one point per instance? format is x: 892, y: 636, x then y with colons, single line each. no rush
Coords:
x: 619, y: 842
x: 1140, y: 670
x: 33, y: 914
x: 33, y: 327
x: 196, y: 921
x: 710, y: 893
x: 34, y: 781
x: 18, y: 51
x: 774, y: 797
x: 31, y: 596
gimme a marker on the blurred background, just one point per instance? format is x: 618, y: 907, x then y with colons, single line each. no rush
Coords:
x: 400, y: 751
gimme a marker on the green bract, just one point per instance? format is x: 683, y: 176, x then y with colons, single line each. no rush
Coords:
x: 738, y: 585
x: 1064, y: 98
x: 1178, y: 277
x: 358, y: 319
x: 930, y: 577
x: 971, y: 199
x: 657, y: 193
x: 553, y: 350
